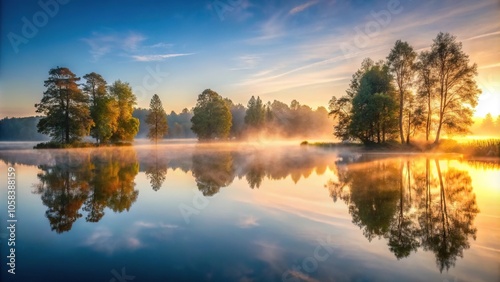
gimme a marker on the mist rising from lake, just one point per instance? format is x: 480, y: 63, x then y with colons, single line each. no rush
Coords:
x: 253, y: 211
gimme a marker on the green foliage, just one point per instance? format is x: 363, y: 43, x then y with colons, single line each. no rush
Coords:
x: 212, y: 117
x: 156, y: 119
x: 256, y: 113
x: 65, y: 108
x: 127, y: 126
x: 103, y: 108
x: 238, y: 113
x: 369, y: 115
x: 446, y: 94
x: 341, y: 108
x: 88, y: 181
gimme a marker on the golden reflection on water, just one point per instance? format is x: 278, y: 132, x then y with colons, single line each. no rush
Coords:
x: 441, y: 206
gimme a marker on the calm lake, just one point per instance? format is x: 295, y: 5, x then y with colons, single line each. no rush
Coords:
x: 249, y: 212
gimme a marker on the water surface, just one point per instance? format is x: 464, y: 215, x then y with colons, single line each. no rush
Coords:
x: 251, y: 212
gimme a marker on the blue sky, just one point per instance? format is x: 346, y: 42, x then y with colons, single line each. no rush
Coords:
x: 296, y: 49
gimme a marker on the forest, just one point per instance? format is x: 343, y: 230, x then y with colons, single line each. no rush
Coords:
x: 408, y: 96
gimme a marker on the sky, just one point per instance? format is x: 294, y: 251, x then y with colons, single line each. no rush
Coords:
x: 279, y: 50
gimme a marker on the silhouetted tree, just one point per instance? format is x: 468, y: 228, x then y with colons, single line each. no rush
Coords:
x: 401, y: 60
x: 457, y: 90
x: 426, y: 84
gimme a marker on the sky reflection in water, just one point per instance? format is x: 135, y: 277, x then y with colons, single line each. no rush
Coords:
x: 252, y: 212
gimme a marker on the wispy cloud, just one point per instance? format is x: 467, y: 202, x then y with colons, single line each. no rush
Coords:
x: 303, y: 7
x: 483, y: 35
x: 490, y: 66
x: 130, y: 45
x: 246, y: 62
x: 102, y: 44
x: 158, y: 57
x: 161, y: 45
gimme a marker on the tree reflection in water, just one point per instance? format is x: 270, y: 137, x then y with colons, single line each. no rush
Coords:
x: 87, y: 180
x: 212, y: 170
x: 156, y: 170
x: 410, y: 203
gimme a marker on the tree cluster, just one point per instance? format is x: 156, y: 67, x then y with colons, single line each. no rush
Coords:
x: 409, y: 94
x: 72, y: 111
x: 275, y: 119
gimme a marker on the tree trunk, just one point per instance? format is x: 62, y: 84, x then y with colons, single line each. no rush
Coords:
x: 401, y: 104
x: 67, y: 119
x: 429, y: 115
x: 438, y: 133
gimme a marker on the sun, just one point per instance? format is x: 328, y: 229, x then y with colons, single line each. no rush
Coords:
x: 489, y: 103
x: 489, y: 100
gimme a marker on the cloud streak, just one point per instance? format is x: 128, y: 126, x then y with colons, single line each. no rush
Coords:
x: 302, y: 7
x: 129, y: 45
x: 158, y: 57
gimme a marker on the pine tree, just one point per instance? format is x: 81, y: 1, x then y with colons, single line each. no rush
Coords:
x: 67, y: 115
x: 156, y: 119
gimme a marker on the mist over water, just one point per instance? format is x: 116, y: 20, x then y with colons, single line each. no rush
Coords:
x: 183, y: 210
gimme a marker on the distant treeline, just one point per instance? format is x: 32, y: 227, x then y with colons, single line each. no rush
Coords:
x: 21, y: 129
x: 179, y: 125
x: 488, y: 126
x: 295, y: 121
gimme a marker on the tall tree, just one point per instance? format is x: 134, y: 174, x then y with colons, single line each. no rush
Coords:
x: 127, y: 125
x: 341, y: 108
x: 103, y: 108
x: 212, y: 117
x: 413, y: 115
x: 426, y: 85
x: 256, y: 113
x: 238, y: 112
x: 67, y: 116
x: 401, y: 64
x: 372, y: 117
x: 156, y: 119
x: 457, y: 90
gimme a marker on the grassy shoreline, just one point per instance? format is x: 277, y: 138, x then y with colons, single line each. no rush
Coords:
x: 77, y: 145
x: 488, y: 148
